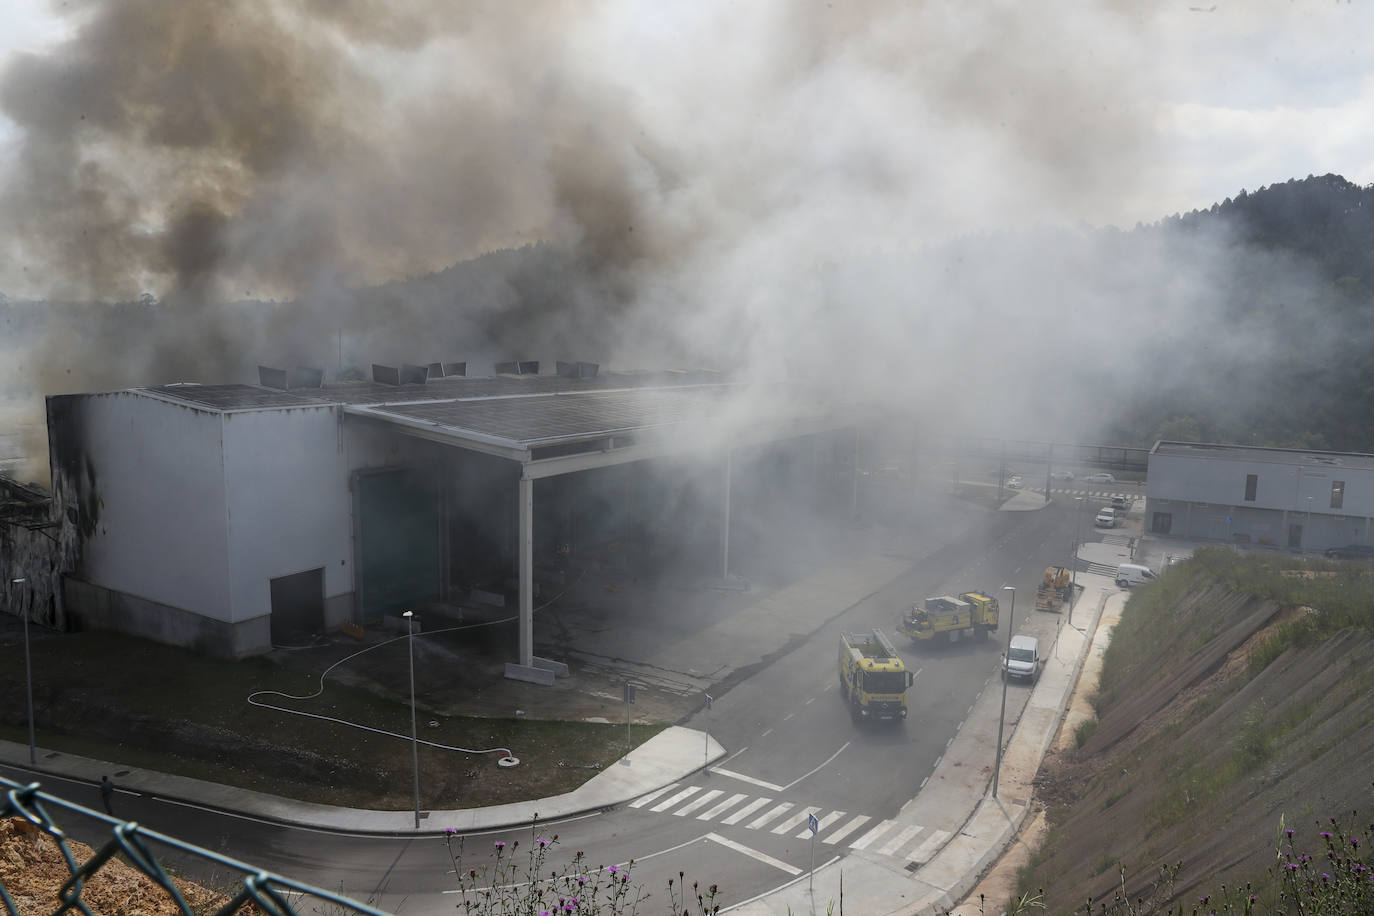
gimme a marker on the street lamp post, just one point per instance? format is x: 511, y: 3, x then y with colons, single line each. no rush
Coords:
x: 1011, y: 625
x: 28, y: 677
x: 1077, y: 528
x: 414, y: 737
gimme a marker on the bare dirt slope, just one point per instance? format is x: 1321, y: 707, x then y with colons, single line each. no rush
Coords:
x: 1199, y: 759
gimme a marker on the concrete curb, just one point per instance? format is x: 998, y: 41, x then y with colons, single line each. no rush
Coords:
x: 657, y: 762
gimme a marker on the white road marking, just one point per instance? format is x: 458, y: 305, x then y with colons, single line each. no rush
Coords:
x: 753, y: 854
x: 863, y: 841
x: 740, y: 751
x: 900, y: 840
x: 645, y: 799
x: 749, y: 779
x: 809, y: 701
x: 747, y: 810
x: 825, y: 822
x: 777, y: 810
x: 700, y: 801
x: 685, y: 793
x: 809, y: 772
x: 795, y: 819
x: 720, y: 808
x: 927, y: 849
x: 848, y: 828
x: 784, y: 886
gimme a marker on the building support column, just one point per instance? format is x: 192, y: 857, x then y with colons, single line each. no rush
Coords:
x: 725, y: 519
x: 854, y: 491
x: 529, y: 667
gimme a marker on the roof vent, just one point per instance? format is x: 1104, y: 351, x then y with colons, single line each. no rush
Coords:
x: 577, y: 370
x: 386, y: 375
x: 521, y: 367
x: 413, y: 375
x: 447, y: 370
x: 272, y: 378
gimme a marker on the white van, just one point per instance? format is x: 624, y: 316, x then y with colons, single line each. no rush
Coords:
x: 1023, y: 659
x: 1128, y: 574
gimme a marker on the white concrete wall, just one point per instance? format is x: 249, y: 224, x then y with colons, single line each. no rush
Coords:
x: 286, y: 482
x: 156, y: 480
x: 1206, y: 497
x: 1279, y: 486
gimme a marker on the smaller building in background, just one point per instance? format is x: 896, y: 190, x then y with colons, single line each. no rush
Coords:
x: 1287, y: 499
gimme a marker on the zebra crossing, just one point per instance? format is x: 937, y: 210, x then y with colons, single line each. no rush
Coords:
x: 1090, y: 494
x: 911, y: 843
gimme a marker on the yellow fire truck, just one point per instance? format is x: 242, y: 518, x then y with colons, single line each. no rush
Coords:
x: 949, y: 617
x: 873, y: 679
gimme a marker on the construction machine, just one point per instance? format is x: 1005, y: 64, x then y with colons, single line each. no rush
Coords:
x: 1056, y: 587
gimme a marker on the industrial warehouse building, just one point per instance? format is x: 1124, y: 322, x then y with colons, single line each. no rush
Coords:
x: 1271, y: 497
x: 235, y: 517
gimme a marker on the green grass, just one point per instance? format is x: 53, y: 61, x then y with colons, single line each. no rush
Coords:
x: 145, y: 705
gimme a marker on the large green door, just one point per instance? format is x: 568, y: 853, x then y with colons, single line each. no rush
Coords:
x: 398, y: 513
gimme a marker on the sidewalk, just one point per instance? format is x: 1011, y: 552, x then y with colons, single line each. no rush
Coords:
x: 664, y: 758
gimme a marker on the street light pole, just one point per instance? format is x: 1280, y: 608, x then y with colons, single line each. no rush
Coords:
x: 1077, y: 528
x: 1011, y: 625
x: 414, y: 737
x: 28, y: 676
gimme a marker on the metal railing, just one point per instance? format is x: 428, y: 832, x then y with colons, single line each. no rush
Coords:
x: 129, y: 843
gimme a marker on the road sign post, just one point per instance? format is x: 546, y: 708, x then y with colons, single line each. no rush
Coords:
x: 629, y: 701
x: 706, y: 742
x: 815, y: 826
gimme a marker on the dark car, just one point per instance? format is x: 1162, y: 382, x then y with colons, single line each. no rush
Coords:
x: 1351, y: 552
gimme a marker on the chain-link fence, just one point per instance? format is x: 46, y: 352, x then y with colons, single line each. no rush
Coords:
x: 133, y: 846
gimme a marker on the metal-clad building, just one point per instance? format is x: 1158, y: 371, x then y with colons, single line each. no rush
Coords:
x: 1282, y: 498
x: 237, y: 517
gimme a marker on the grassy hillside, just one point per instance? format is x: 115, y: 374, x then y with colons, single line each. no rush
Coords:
x: 1236, y: 705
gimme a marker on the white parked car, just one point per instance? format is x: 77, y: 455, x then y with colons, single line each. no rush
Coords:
x: 1100, y: 478
x: 1061, y: 475
x: 1106, y: 519
x: 1014, y: 483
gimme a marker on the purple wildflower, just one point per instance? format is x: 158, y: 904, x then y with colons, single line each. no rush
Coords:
x: 500, y: 845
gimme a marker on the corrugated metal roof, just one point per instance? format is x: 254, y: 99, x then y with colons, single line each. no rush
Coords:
x: 569, y: 417
x: 232, y: 397
x: 533, y: 411
x: 1292, y: 457
x: 248, y: 397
